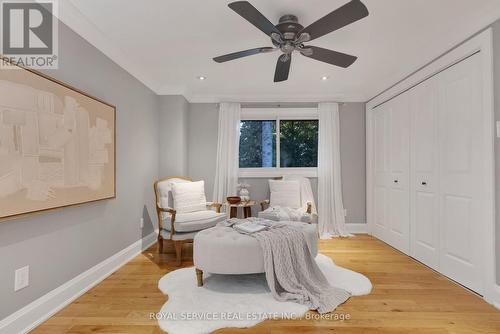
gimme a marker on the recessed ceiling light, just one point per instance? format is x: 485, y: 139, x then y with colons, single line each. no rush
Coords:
x: 324, y: 78
x: 201, y: 77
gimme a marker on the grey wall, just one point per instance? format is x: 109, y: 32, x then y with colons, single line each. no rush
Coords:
x: 202, y: 147
x: 173, y: 135
x: 496, y: 59
x: 61, y: 244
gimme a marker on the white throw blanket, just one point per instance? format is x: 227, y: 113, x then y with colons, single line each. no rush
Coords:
x: 279, y: 213
x: 291, y: 272
x: 306, y: 193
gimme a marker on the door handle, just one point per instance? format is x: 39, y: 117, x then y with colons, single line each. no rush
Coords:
x: 396, y: 181
x: 424, y: 183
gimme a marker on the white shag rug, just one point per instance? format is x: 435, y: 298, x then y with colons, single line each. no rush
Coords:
x: 239, y: 301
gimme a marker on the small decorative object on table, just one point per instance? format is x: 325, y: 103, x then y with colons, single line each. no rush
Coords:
x: 244, y: 192
x: 233, y: 199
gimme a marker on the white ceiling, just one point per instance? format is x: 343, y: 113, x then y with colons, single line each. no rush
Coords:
x: 166, y: 44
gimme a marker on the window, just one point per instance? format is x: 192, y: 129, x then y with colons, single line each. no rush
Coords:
x: 257, y: 144
x: 299, y: 143
x: 274, y: 142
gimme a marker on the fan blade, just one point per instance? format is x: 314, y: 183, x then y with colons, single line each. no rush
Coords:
x: 283, y: 67
x: 241, y: 54
x: 347, y: 14
x: 329, y: 56
x: 252, y: 15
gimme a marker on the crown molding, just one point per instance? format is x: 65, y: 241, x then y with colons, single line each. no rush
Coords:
x: 201, y: 98
x: 174, y: 90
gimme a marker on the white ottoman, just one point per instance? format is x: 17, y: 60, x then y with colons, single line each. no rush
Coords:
x: 222, y: 250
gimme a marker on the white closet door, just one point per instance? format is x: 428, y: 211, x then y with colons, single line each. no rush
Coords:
x: 381, y: 172
x: 399, y: 165
x: 461, y: 166
x: 424, y: 184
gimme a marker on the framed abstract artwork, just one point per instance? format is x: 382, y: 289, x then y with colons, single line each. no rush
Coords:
x: 57, y: 145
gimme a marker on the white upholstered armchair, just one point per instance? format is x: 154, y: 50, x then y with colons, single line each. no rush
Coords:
x: 291, y: 199
x: 183, y: 211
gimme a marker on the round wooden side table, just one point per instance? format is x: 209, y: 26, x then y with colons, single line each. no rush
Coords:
x: 246, y: 205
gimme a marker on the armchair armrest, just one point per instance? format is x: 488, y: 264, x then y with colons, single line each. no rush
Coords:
x: 169, y: 210
x: 215, y: 205
x: 265, y: 204
x: 172, y: 212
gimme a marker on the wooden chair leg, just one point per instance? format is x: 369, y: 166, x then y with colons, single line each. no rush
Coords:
x: 160, y: 244
x: 199, y: 277
x: 178, y: 252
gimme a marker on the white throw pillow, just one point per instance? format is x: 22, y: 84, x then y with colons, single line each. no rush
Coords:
x: 285, y: 193
x: 189, y: 196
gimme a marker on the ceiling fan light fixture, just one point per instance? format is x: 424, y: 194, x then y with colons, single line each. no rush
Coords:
x: 289, y: 36
x: 324, y: 78
x: 277, y: 37
x: 303, y: 37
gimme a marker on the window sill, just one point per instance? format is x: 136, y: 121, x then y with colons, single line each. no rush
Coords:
x: 276, y: 172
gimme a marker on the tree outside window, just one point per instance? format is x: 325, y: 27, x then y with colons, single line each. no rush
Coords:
x: 257, y: 144
x: 298, y: 144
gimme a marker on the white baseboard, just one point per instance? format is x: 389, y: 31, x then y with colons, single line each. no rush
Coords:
x: 495, y: 298
x: 33, y: 314
x: 357, y: 228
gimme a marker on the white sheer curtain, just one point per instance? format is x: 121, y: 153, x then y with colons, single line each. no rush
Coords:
x: 226, y: 173
x: 331, y: 220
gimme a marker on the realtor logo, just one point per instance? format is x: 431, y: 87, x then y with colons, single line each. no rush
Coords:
x: 29, y: 33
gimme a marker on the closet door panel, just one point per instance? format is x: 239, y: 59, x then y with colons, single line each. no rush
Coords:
x: 399, y: 219
x: 381, y: 173
x: 461, y: 160
x: 424, y: 176
x: 429, y: 146
x: 399, y: 205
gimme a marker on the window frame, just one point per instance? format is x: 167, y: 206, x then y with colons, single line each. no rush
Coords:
x: 278, y: 114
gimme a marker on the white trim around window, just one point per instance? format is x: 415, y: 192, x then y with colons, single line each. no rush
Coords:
x: 276, y: 114
x: 271, y: 114
x: 276, y: 172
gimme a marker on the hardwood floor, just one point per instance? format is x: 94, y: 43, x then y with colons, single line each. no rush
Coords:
x: 407, y: 297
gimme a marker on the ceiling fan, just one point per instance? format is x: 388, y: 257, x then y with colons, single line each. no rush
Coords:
x: 289, y: 35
